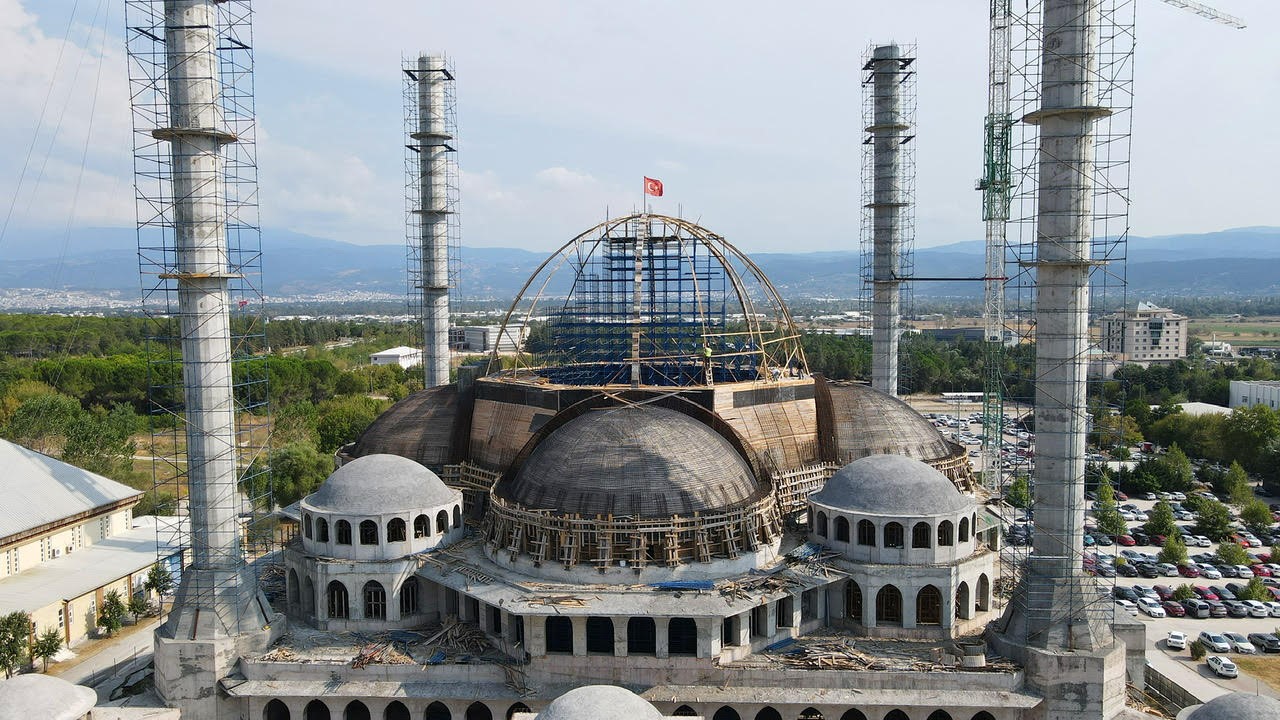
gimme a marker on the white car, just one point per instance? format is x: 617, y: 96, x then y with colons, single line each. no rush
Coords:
x: 1256, y: 608
x: 1214, y: 641
x: 1209, y: 572
x: 1176, y: 640
x: 1127, y: 516
x: 1243, y: 571
x: 1273, y: 608
x: 1150, y: 607
x: 1221, y: 666
x: 1180, y: 497
x: 1149, y: 496
x: 1129, y: 607
x: 1241, y: 644
x: 1202, y: 541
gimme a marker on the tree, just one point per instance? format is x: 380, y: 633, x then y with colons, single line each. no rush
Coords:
x: 1178, y: 473
x: 1237, y: 485
x: 1256, y: 516
x: 1213, y: 520
x: 1112, y: 430
x: 1254, y: 590
x: 1160, y: 520
x: 160, y: 582
x: 1183, y: 592
x: 41, y: 420
x: 1110, y: 521
x: 111, y: 615
x: 1174, y: 551
x: 137, y: 605
x: 1246, y: 432
x: 1232, y: 554
x: 1018, y: 494
x: 343, y: 419
x: 47, y: 644
x: 1197, y: 649
x: 297, y: 469
x: 15, y: 634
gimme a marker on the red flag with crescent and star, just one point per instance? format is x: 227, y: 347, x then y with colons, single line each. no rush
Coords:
x: 652, y: 187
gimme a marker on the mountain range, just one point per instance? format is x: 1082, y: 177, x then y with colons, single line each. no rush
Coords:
x: 1240, y: 262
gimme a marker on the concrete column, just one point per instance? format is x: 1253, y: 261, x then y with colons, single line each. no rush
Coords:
x: 663, y: 637
x: 709, y: 644
x: 579, y: 634
x: 433, y: 139
x: 619, y: 635
x: 908, y: 606
x: 771, y: 619
x: 869, y: 605
x: 535, y: 635
x: 795, y: 614
x: 743, y: 626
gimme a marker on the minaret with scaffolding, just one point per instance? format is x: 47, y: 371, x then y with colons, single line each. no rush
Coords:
x: 432, y: 205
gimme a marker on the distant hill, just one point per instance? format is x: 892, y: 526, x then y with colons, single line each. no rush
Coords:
x: 1241, y: 261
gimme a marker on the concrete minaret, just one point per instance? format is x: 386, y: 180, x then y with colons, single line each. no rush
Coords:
x: 218, y: 603
x: 432, y: 139
x: 889, y: 207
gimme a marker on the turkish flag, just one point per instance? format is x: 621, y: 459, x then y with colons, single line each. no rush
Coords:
x: 652, y: 187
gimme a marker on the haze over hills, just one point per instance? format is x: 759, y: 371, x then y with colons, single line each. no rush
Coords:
x: 1241, y: 262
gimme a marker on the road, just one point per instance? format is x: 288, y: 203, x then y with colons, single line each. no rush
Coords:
x: 99, y: 655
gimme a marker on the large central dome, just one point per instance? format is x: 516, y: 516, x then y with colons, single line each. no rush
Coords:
x: 638, y: 461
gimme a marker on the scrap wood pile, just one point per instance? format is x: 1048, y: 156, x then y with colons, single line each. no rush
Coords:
x: 281, y: 653
x: 842, y: 654
x: 745, y: 588
x: 455, y: 639
x: 556, y: 600
x: 271, y: 580
x: 813, y: 559
x: 380, y: 653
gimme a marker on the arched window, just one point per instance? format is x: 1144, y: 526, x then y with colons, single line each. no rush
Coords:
x: 984, y: 715
x: 964, y: 530
x: 306, y: 530
x: 343, y: 529
x: 437, y: 711
x: 920, y: 533
x: 442, y: 522
x: 338, y: 607
x: 685, y: 711
x: 820, y: 527
x: 457, y: 516
x: 939, y: 715
x: 853, y: 714
x: 928, y: 606
x: 396, y: 711
x: 356, y: 710
x: 842, y: 528
x: 375, y: 601
x: 517, y: 708
x: 275, y: 710
x: 768, y: 713
x: 963, y: 609
x: 421, y: 527
x: 893, y: 535
x: 600, y: 635
x: 409, y: 598
x: 944, y: 533
x: 726, y: 713
x: 322, y: 530
x: 559, y: 635
x: 368, y: 532
x: 896, y: 715
x: 866, y: 532
x: 316, y: 710
x: 810, y: 713
x: 853, y: 601
x: 983, y: 599
x: 682, y: 637
x: 642, y: 636
x: 395, y: 530
x: 479, y: 711
x: 291, y: 588
x: 308, y: 595
x: 889, y: 606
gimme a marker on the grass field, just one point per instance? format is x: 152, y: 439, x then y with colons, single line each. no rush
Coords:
x: 1262, y: 330
x: 1266, y: 669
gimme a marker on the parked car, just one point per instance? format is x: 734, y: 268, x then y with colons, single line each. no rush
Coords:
x: 1188, y: 571
x: 1221, y: 666
x: 1196, y: 608
x: 1147, y: 570
x: 1261, y: 570
x: 1222, y: 593
x: 1273, y: 608
x: 1256, y: 608
x: 1209, y: 572
x: 1149, y: 496
x: 1128, y: 606
x: 1106, y: 570
x: 1240, y: 643
x: 1243, y: 571
x: 1176, y: 640
x: 1139, y: 537
x: 1265, y: 642
x: 1167, y: 569
x: 1126, y: 540
x: 1215, y: 642
x: 1202, y: 541
x: 1151, y: 607
x: 1204, y: 592
x: 1120, y: 592
x: 1164, y: 592
x: 1216, y: 608
x: 1126, y: 570
x: 1236, y: 609
x: 1173, y: 608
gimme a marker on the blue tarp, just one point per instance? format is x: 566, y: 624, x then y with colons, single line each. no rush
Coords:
x: 684, y: 585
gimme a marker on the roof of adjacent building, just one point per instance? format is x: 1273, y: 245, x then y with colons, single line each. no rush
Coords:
x: 635, y: 460
x: 39, y: 490
x: 380, y: 484
x: 400, y: 351
x: 892, y: 485
x: 45, y: 697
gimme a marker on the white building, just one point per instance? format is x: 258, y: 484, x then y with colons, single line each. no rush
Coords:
x: 1244, y: 393
x: 1148, y: 334
x: 484, y: 338
x: 405, y: 357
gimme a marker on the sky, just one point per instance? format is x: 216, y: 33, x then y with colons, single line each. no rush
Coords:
x: 748, y: 111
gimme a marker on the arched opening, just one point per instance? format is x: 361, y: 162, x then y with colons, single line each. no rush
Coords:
x: 315, y: 710
x: 983, y: 598
x: 338, y: 604
x: 308, y: 596
x: 810, y: 713
x: 409, y: 597
x: 893, y: 535
x: 275, y: 710
x: 457, y: 516
x: 396, y: 711
x: 920, y: 535
x: 600, y: 635
x: 685, y: 711
x: 929, y: 606
x: 682, y: 637
x: 853, y: 714
x: 559, y: 635
x: 726, y: 713
x: 356, y: 710
x: 945, y: 534
x: 368, y: 532
x: 517, y: 708
x: 642, y: 636
x: 964, y: 530
x: 963, y: 608
x: 820, y: 526
x: 939, y: 715
x: 842, y: 528
x: 853, y: 601
x: 478, y: 710
x: 396, y: 530
x: 322, y: 530
x: 442, y: 522
x: 343, y: 530
x: 768, y: 713
x: 896, y: 715
x: 889, y: 606
x: 421, y: 527
x: 306, y: 526
x: 375, y: 601
x: 984, y: 715
x: 437, y: 711
x: 291, y: 588
x: 866, y: 533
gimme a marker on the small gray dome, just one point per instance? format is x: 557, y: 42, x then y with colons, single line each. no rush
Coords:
x: 593, y: 702
x: 45, y: 697
x: 377, y: 484
x: 1238, y: 706
x: 892, y: 485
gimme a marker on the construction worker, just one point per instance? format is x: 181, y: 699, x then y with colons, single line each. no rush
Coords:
x: 706, y: 363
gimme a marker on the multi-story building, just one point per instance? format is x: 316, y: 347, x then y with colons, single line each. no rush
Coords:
x: 1149, y: 334
x: 1245, y: 393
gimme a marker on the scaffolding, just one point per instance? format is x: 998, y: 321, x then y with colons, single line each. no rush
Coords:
x: 432, y: 229
x: 888, y: 203
x: 652, y: 301
x: 199, y: 250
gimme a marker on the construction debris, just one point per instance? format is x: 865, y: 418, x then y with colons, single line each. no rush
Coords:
x: 560, y: 600
x: 745, y: 588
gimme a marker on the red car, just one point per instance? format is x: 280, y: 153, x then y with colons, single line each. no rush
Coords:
x: 1205, y: 593
x: 1275, y: 593
x: 1263, y: 557
x: 1164, y: 592
x: 1188, y: 571
x: 1126, y: 540
x: 1261, y: 570
x: 1173, y: 608
x: 1121, y: 496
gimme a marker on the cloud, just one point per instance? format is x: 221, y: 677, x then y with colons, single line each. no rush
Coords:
x: 564, y: 178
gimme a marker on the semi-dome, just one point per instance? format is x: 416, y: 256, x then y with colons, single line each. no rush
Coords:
x: 892, y: 485
x: 1238, y: 706
x: 378, y: 484
x: 592, y: 702
x: 863, y: 421
x: 419, y: 427
x: 45, y: 697
x: 639, y: 461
